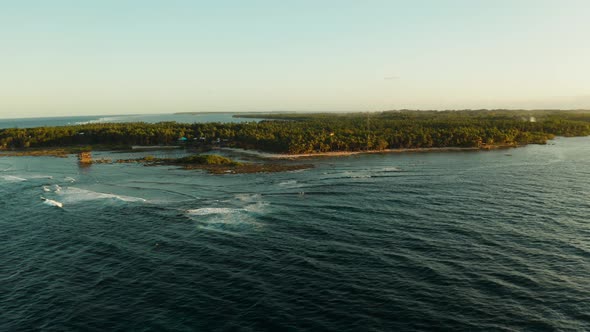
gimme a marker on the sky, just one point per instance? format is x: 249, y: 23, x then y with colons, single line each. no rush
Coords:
x: 83, y: 57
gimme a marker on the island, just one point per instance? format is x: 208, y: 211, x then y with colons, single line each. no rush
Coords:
x: 216, y: 164
x: 291, y: 135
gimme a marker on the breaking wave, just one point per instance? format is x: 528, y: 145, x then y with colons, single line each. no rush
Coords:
x: 241, y: 213
x: 74, y: 195
x: 391, y: 169
x: 51, y: 202
x: 11, y: 178
x: 48, y: 177
x: 248, y: 197
x: 209, y: 211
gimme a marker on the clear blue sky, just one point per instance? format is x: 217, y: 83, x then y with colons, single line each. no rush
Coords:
x: 80, y: 57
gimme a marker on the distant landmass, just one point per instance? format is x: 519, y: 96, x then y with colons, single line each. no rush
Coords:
x: 200, y: 113
x: 312, y: 133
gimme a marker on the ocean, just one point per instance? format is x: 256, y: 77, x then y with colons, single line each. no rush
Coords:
x: 149, y: 118
x: 462, y: 241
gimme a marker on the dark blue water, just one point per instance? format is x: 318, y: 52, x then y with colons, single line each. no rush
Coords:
x: 149, y: 118
x: 496, y: 240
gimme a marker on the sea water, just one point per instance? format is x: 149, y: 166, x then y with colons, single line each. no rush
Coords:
x: 490, y: 240
x: 149, y: 118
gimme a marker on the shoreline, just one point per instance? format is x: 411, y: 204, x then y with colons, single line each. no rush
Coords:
x: 65, y: 151
x: 351, y: 153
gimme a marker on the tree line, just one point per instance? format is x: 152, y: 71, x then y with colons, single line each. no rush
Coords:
x: 324, y: 132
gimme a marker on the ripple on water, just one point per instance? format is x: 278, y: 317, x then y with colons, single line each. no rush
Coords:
x: 469, y: 241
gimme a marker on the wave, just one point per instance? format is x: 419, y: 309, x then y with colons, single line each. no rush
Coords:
x: 49, y: 177
x: 241, y: 212
x: 10, y: 166
x: 220, y: 218
x: 51, y: 202
x: 73, y: 195
x: 46, y: 177
x: 298, y: 170
x: 257, y: 207
x: 391, y: 169
x: 345, y: 175
x: 46, y: 189
x: 11, y: 178
x: 248, y: 197
x: 70, y: 179
x: 210, y: 211
x: 360, y: 176
x: 254, y: 202
x: 352, y: 175
x: 385, y: 176
x: 291, y: 184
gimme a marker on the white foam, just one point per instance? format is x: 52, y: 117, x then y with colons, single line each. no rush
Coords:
x: 298, y: 170
x: 46, y: 189
x: 288, y: 182
x: 127, y: 198
x: 242, y: 211
x: 42, y: 177
x: 51, y: 202
x: 70, y: 179
x: 6, y: 169
x: 11, y: 178
x: 72, y: 195
x: 256, y: 208
x: 222, y: 218
x: 357, y: 175
x: 57, y: 188
x: 248, y: 197
x: 210, y: 211
x: 391, y: 169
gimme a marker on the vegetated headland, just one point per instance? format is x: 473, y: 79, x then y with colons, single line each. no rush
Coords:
x: 216, y: 164
x: 311, y: 134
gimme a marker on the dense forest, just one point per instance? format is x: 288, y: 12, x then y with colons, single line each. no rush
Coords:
x: 323, y: 132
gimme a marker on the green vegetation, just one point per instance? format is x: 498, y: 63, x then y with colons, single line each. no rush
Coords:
x: 207, y: 159
x: 241, y: 168
x: 327, y: 132
x: 216, y: 164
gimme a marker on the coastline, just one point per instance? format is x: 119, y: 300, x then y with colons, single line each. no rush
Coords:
x: 63, y: 152
x: 350, y: 153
